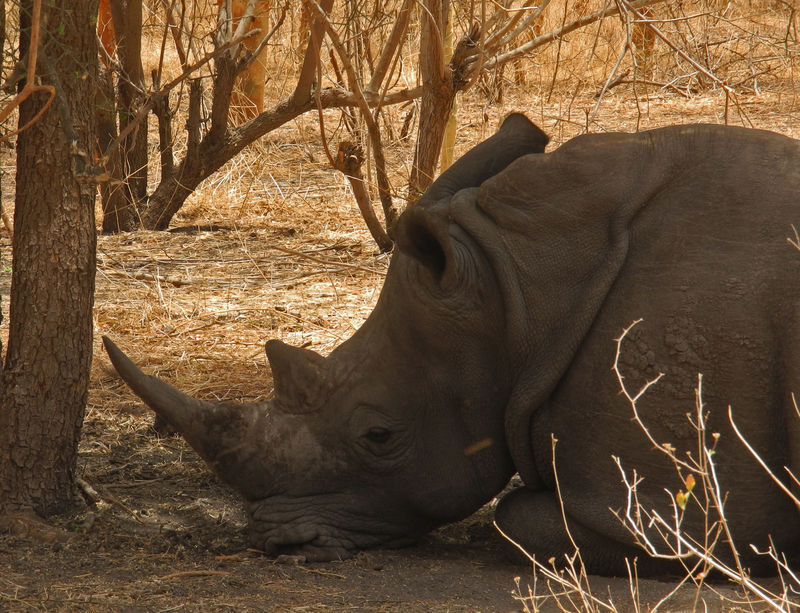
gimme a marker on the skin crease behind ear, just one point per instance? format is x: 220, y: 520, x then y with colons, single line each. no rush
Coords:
x: 423, y: 230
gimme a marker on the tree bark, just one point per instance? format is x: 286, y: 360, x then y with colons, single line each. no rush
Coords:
x: 129, y: 166
x: 46, y: 372
x: 349, y: 159
x: 437, y: 97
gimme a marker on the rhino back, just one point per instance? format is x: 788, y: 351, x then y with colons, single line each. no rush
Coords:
x: 708, y: 269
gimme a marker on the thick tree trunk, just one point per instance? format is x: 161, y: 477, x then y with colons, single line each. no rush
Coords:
x: 46, y: 371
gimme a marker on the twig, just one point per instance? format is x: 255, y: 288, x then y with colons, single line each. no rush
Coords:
x: 184, y: 574
x: 562, y: 31
x: 524, y: 26
x: 763, y: 464
x: 300, y: 254
x: 88, y: 490
x: 146, y: 276
x: 602, y: 93
x: 388, y: 54
x: 622, y: 80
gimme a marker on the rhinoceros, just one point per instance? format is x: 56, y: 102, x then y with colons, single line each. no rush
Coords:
x: 495, y: 331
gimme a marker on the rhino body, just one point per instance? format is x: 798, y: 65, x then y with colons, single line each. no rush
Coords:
x: 495, y: 331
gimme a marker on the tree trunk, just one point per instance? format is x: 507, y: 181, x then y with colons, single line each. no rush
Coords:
x: 117, y: 214
x: 46, y: 371
x: 437, y: 97
x: 129, y: 165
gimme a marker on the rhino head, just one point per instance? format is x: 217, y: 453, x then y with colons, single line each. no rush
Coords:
x: 400, y: 428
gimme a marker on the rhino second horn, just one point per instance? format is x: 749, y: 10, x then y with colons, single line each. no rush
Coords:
x: 178, y: 409
x: 300, y: 378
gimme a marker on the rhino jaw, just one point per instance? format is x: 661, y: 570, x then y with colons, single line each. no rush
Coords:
x: 324, y: 528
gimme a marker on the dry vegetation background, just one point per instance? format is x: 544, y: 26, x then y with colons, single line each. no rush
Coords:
x: 273, y: 246
x: 292, y: 258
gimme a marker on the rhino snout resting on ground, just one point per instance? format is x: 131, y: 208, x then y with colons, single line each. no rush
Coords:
x: 495, y: 327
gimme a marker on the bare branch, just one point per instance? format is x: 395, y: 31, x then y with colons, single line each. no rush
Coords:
x: 562, y: 31
x: 763, y: 464
x: 384, y: 187
x: 305, y: 81
x: 390, y: 48
x: 526, y: 25
x: 348, y: 160
x: 30, y: 86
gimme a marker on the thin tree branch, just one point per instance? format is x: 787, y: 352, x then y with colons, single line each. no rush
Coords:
x: 389, y: 49
x: 525, y: 25
x: 522, y: 50
x: 384, y: 187
x: 308, y: 72
x: 30, y: 87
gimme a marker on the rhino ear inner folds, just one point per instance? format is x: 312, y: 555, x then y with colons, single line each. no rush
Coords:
x: 424, y: 235
x: 299, y: 375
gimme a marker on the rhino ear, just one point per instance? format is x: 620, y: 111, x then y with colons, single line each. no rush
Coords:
x: 517, y: 136
x: 424, y: 233
x: 301, y: 384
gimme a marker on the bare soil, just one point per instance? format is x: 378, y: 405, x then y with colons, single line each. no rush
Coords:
x: 288, y: 257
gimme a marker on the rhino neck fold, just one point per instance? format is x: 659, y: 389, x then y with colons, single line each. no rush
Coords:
x: 549, y: 303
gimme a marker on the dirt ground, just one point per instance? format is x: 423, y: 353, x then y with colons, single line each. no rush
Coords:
x: 169, y: 537
x: 288, y: 258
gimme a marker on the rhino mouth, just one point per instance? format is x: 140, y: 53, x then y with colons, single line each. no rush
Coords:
x: 320, y: 540
x: 316, y: 549
x: 321, y: 548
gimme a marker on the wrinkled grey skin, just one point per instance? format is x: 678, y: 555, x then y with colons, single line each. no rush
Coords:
x: 495, y: 328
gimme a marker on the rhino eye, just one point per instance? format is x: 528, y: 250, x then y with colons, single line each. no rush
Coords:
x: 378, y: 435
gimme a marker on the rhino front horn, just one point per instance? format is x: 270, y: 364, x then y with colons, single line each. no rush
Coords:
x: 181, y: 411
x: 300, y: 378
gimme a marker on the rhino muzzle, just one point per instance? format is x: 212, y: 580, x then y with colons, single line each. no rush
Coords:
x: 263, y: 450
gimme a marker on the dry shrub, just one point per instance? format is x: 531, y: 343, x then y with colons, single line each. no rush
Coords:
x: 565, y: 584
